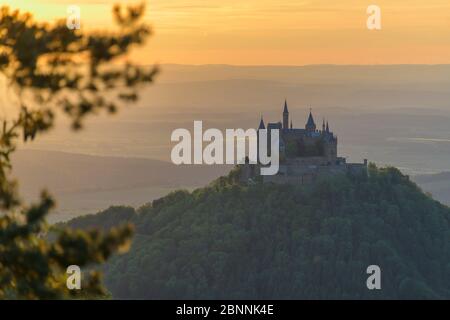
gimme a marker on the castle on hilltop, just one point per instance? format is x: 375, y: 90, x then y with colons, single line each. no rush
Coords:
x: 305, y: 153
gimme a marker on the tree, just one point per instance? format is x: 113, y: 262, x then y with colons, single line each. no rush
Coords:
x: 51, y: 70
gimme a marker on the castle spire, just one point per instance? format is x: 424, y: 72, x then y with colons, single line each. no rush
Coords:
x: 328, y: 128
x: 291, y: 124
x: 310, y: 125
x: 285, y: 107
x: 261, y: 124
x: 285, y: 116
x: 323, y: 125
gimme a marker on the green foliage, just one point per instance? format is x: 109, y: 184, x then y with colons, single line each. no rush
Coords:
x: 110, y: 218
x: 263, y: 241
x: 50, y: 69
x: 292, y: 149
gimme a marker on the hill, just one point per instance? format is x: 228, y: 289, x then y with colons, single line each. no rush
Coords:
x: 86, y: 183
x: 264, y: 241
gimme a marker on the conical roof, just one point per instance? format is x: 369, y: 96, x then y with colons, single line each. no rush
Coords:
x: 310, y: 122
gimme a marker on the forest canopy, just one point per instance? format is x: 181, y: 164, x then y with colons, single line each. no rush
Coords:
x: 265, y: 241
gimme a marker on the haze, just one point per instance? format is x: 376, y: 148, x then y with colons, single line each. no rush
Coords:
x: 391, y: 115
x: 386, y: 93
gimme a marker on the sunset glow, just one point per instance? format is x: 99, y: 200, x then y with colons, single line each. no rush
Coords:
x: 276, y: 32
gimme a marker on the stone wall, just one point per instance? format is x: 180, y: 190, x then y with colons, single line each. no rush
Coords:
x: 304, y: 170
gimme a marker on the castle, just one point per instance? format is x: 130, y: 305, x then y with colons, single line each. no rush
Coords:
x: 305, y: 154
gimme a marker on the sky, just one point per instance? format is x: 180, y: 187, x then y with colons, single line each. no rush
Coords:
x: 276, y: 32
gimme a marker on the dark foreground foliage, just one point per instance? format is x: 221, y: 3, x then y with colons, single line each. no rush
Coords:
x: 47, y: 70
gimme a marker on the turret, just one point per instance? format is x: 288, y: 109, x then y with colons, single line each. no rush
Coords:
x: 310, y: 125
x: 285, y: 116
x: 261, y: 124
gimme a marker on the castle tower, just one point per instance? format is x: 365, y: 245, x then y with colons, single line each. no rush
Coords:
x: 310, y: 125
x: 328, y: 128
x: 285, y: 116
x: 323, y: 125
x: 261, y: 124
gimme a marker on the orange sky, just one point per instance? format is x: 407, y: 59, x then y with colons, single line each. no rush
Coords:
x: 277, y: 32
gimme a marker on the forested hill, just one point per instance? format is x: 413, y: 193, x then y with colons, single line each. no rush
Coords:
x: 229, y: 241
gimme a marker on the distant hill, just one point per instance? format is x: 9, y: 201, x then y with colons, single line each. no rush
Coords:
x: 437, y: 184
x: 430, y: 178
x: 263, y: 241
x: 86, y: 184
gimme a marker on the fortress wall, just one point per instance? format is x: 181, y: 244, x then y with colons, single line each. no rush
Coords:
x: 357, y: 167
x: 303, y: 170
x: 288, y: 179
x: 306, y: 175
x: 307, y: 161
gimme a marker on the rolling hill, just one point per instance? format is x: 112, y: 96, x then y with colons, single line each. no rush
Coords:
x: 264, y: 241
x: 86, y: 184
